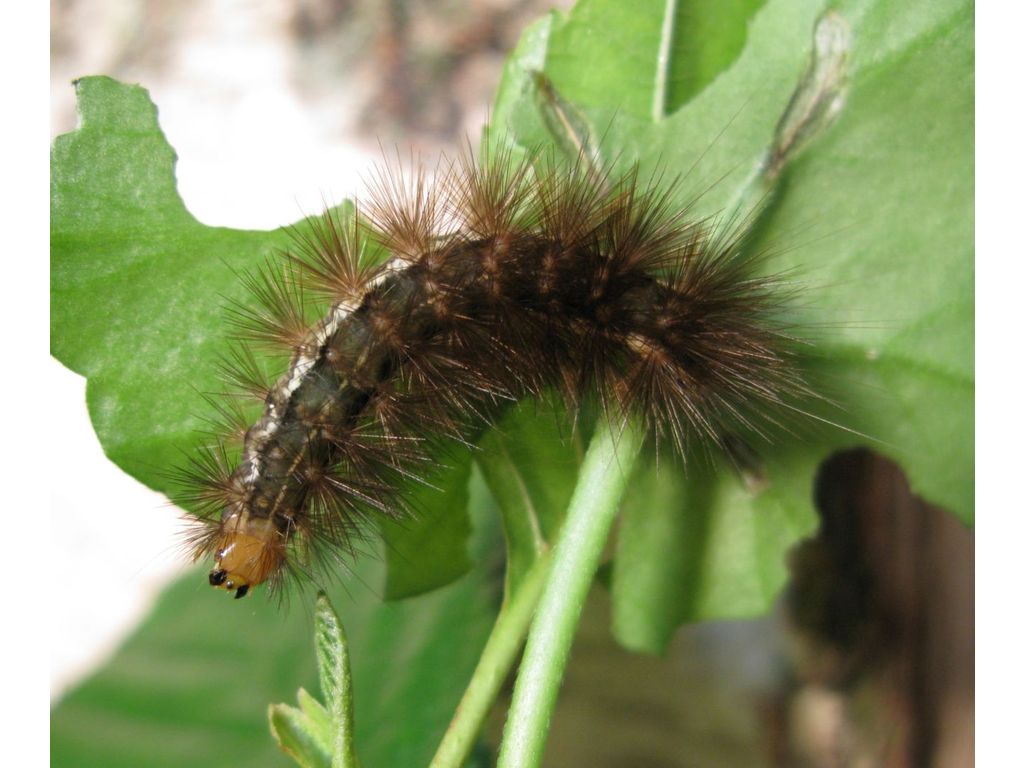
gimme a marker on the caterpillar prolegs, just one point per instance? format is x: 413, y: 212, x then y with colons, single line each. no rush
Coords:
x: 503, y: 279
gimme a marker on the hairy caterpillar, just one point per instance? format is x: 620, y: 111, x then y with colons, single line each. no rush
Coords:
x: 504, y: 279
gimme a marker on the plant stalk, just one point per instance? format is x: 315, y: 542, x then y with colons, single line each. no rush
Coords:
x: 606, y: 469
x: 497, y: 659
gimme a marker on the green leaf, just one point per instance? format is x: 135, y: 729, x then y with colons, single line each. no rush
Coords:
x: 901, y: 274
x: 138, y: 290
x: 517, y: 75
x: 308, y: 733
x: 667, y: 50
x: 317, y: 717
x: 871, y: 211
x: 440, y: 527
x: 623, y: 40
x: 332, y: 657
x: 135, y: 280
x: 530, y: 461
x: 706, y: 38
x: 297, y: 735
x: 696, y: 545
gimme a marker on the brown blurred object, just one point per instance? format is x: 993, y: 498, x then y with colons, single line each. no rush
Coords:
x: 430, y: 68
x: 413, y: 72
x: 881, y: 607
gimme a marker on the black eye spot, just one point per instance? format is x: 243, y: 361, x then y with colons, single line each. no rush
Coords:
x: 218, y: 577
x: 242, y: 591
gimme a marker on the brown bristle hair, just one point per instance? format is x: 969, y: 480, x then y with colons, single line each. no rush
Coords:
x: 505, y: 279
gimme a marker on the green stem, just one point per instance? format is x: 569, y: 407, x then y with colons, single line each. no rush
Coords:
x: 603, y: 477
x: 499, y: 655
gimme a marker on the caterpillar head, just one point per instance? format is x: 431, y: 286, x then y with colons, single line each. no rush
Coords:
x: 244, y: 560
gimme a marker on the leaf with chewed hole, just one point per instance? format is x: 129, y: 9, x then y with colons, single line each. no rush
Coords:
x: 138, y: 290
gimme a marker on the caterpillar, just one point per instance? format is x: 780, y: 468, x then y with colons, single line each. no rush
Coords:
x: 503, y: 279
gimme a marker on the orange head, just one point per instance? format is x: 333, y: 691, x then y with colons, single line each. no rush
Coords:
x: 243, y: 560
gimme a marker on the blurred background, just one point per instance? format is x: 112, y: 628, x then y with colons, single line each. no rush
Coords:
x: 274, y: 107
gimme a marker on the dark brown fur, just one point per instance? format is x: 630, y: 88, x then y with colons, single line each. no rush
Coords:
x: 505, y: 280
